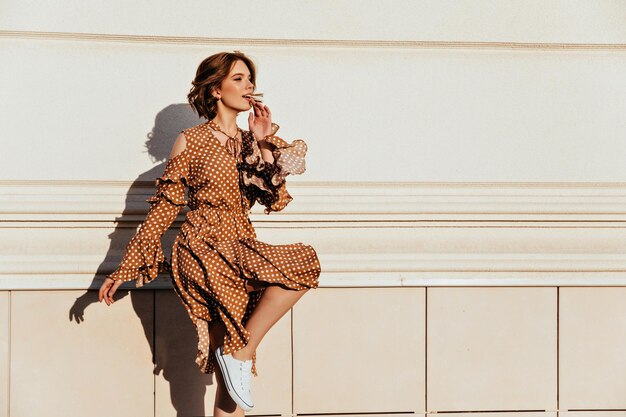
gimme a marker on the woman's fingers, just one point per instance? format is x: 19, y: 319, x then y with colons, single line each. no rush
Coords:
x: 113, y: 289
x: 262, y: 110
x: 107, y: 290
x: 104, y: 292
x: 262, y: 115
x: 103, y: 289
x: 265, y: 111
x: 257, y: 112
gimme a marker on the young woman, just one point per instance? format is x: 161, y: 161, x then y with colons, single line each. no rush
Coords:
x: 233, y: 286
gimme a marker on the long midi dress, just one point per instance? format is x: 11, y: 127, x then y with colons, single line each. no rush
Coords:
x: 216, y: 253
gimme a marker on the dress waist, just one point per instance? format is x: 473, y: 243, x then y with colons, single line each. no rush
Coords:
x: 216, y: 222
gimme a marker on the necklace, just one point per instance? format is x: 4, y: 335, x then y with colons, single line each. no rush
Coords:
x: 233, y: 145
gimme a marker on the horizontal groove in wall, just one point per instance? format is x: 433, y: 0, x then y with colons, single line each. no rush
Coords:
x: 362, y: 263
x: 342, y: 43
x: 319, y: 223
x: 355, y: 280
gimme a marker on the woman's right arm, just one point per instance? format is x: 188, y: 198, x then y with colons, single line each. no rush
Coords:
x: 144, y: 258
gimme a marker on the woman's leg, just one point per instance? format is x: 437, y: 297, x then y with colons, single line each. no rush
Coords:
x: 274, y: 303
x: 224, y: 405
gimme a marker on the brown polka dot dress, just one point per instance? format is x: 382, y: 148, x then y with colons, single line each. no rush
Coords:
x: 218, y: 268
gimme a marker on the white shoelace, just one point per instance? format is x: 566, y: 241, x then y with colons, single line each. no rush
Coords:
x: 246, y: 374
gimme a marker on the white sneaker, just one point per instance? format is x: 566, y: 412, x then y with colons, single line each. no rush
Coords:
x: 237, y: 375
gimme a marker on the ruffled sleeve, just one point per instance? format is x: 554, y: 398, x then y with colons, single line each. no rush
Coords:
x: 265, y: 182
x: 144, y: 257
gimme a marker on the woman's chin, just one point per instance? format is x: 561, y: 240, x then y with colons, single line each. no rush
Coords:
x: 242, y: 108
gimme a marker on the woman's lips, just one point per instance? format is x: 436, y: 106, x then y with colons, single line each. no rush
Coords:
x: 252, y: 97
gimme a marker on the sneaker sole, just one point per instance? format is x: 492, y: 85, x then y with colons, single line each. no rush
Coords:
x: 229, y: 384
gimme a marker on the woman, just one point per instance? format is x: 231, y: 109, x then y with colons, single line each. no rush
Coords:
x: 233, y: 286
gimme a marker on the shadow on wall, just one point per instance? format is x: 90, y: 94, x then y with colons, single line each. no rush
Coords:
x: 174, y: 346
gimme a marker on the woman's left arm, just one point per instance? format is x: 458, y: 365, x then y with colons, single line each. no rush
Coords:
x: 268, y: 160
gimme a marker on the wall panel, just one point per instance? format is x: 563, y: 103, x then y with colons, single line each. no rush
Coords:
x: 359, y: 350
x: 5, y: 344
x: 592, y: 336
x: 62, y: 345
x: 492, y: 349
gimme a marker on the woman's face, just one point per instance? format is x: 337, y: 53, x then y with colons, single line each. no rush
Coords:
x: 235, y: 86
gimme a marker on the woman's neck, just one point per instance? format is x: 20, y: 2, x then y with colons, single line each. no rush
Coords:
x: 228, y: 123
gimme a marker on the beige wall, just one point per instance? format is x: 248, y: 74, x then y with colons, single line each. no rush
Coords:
x: 465, y: 190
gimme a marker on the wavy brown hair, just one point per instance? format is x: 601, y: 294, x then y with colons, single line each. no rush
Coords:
x: 210, y: 74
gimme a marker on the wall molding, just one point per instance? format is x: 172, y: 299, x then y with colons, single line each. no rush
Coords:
x: 366, y: 234
x: 315, y: 43
x: 329, y: 202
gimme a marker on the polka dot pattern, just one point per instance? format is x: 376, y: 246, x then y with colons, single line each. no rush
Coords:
x: 219, y: 269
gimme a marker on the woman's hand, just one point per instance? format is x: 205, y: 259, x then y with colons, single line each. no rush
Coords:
x: 108, y: 288
x: 261, y: 123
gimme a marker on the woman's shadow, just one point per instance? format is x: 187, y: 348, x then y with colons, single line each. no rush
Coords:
x: 169, y: 332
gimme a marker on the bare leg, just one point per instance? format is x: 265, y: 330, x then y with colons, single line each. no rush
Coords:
x: 274, y: 303
x: 224, y: 405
